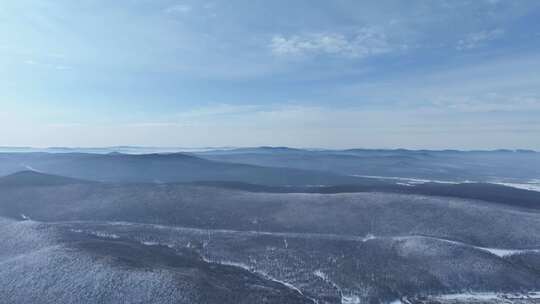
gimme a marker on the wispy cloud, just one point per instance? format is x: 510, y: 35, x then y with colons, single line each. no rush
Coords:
x: 478, y: 39
x: 351, y: 68
x: 364, y: 42
x: 492, y: 102
x: 307, y: 126
x: 62, y: 67
x: 178, y: 9
x: 35, y: 63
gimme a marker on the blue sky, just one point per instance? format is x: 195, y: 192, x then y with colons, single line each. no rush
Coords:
x: 336, y: 74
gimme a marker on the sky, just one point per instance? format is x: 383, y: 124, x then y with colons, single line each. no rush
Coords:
x: 425, y: 74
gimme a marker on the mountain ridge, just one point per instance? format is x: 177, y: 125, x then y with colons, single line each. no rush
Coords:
x: 161, y: 168
x: 35, y: 178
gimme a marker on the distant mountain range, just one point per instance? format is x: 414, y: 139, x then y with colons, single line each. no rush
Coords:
x: 281, y: 165
x: 270, y: 149
x: 446, y: 165
x: 105, y: 150
x: 162, y: 168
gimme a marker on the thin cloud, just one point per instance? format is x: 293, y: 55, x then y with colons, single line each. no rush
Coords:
x: 178, y: 9
x: 478, y: 39
x: 292, y: 125
x: 489, y: 103
x: 365, y: 42
x: 59, y: 67
x: 63, y: 67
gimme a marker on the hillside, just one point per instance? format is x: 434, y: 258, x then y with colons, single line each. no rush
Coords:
x: 161, y: 168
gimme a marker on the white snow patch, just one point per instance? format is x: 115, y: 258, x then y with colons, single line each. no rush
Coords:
x: 151, y: 243
x: 495, y: 251
x: 487, y: 296
x: 320, y: 274
x: 235, y: 264
x: 531, y: 186
x: 345, y: 299
x: 508, y: 252
x: 407, y: 181
x: 265, y: 275
x: 147, y: 243
x: 350, y: 299
x: 368, y: 237
x: 30, y: 168
x: 104, y: 235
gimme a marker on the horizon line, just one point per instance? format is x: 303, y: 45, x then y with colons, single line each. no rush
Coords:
x: 169, y: 149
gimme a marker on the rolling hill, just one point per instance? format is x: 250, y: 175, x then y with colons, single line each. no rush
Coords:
x: 161, y: 168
